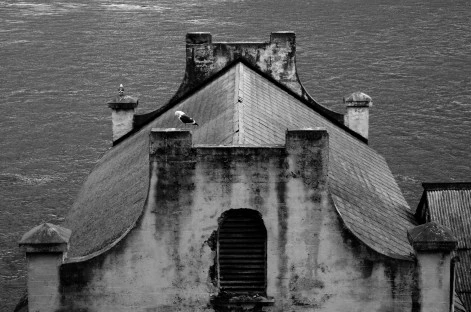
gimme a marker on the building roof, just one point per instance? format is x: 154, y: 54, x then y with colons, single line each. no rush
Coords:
x: 242, y: 106
x: 450, y: 204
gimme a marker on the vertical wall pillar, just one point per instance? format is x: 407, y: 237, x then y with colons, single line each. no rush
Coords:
x: 433, y: 244
x: 304, y: 200
x: 170, y: 143
x: 308, y: 155
x: 46, y: 246
x: 357, y: 117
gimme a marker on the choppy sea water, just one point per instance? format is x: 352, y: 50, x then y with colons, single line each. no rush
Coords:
x: 62, y: 60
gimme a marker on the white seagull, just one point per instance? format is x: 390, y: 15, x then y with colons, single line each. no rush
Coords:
x: 184, y: 118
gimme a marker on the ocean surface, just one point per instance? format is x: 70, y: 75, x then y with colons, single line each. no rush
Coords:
x: 61, y: 61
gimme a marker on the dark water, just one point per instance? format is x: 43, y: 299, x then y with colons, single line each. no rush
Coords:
x: 62, y: 60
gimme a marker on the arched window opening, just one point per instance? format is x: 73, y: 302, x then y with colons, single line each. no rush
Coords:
x: 242, y: 253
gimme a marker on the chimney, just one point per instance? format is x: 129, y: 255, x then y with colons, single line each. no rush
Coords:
x: 433, y: 244
x: 46, y: 247
x: 357, y: 116
x: 123, y: 109
x: 275, y: 57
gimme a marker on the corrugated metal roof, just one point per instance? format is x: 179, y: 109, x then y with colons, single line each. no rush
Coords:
x: 459, y: 306
x: 241, y: 106
x: 453, y: 209
x: 450, y: 204
x: 466, y: 301
x: 463, y: 270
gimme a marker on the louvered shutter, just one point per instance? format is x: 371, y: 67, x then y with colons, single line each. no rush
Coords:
x: 242, y: 253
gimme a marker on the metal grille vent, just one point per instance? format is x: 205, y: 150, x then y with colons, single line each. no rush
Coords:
x: 242, y: 253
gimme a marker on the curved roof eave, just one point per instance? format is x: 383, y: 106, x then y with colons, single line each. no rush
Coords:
x: 373, y: 247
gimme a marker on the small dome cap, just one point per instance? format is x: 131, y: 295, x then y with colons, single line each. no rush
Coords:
x: 358, y: 99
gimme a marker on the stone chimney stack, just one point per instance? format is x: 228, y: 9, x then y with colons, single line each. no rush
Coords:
x: 433, y: 244
x: 123, y: 109
x: 276, y: 58
x: 46, y: 247
x: 357, y: 116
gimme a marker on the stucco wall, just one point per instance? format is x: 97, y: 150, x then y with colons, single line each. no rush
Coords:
x: 357, y: 119
x: 43, y: 280
x: 434, y: 280
x: 167, y: 263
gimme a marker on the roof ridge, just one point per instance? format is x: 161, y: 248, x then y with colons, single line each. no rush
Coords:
x: 240, y: 102
x: 238, y: 137
x: 142, y: 120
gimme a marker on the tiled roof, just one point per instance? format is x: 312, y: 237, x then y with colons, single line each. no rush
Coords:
x: 450, y: 204
x: 243, y: 107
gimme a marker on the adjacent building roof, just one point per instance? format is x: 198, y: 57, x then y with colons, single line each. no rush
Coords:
x: 243, y: 106
x: 450, y: 204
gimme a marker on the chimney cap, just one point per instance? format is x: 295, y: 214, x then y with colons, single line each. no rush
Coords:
x: 199, y: 38
x: 358, y: 99
x: 125, y: 102
x: 432, y: 236
x: 122, y: 101
x: 46, y: 237
x: 46, y: 233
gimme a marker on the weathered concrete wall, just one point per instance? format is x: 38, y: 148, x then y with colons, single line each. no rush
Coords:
x: 45, y: 246
x: 434, y: 281
x: 433, y: 244
x: 122, y: 122
x: 43, y: 281
x: 168, y: 262
x: 357, y: 119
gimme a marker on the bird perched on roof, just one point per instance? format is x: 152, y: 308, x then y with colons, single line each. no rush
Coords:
x: 184, y: 118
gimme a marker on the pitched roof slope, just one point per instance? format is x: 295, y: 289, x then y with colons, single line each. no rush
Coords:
x: 362, y: 186
x: 450, y: 204
x: 113, y: 196
x: 243, y: 107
